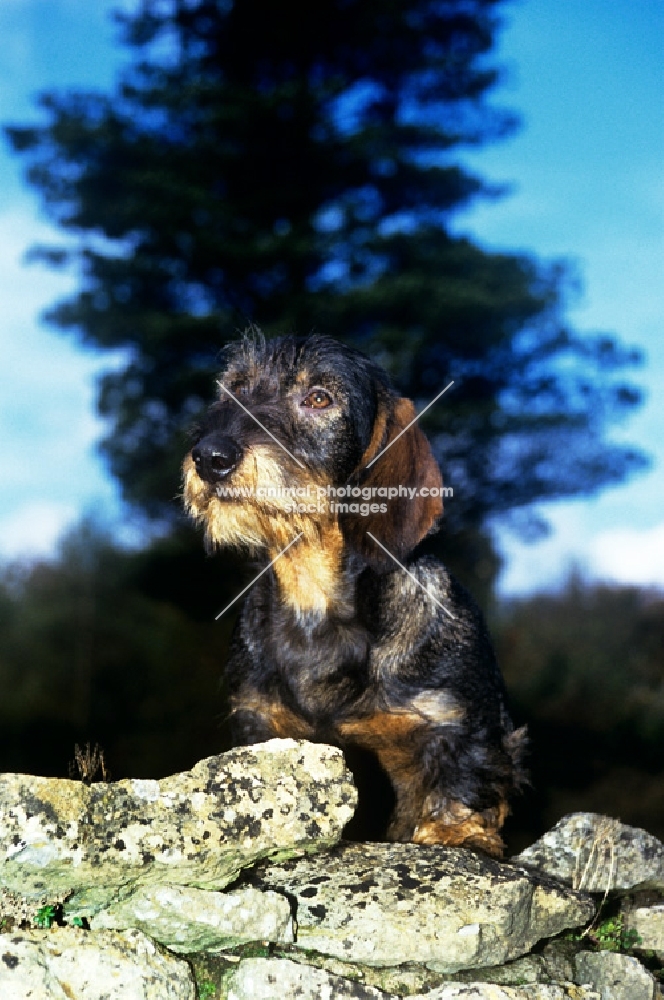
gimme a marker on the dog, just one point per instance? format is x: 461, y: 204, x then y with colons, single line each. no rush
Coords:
x: 310, y: 459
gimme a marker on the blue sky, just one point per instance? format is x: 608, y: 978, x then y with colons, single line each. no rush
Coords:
x: 587, y: 170
x: 588, y: 167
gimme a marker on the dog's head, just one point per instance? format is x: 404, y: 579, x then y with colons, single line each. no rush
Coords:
x: 300, y: 439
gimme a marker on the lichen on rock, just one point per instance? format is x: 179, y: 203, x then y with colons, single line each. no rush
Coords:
x: 198, y: 828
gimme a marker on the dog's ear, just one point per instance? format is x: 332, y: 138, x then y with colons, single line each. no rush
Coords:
x: 402, y: 520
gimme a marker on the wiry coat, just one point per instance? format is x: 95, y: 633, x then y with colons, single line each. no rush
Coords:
x: 345, y: 639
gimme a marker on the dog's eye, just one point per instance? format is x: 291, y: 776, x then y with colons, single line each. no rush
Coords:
x: 240, y: 389
x: 317, y: 399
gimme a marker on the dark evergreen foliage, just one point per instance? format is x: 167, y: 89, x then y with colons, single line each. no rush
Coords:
x: 298, y: 167
x: 101, y: 646
x: 585, y: 667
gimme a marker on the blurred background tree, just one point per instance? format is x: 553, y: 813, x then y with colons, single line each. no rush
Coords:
x: 299, y: 168
x: 90, y: 652
x: 585, y: 667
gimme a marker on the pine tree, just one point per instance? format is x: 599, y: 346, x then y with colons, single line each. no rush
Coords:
x: 299, y: 167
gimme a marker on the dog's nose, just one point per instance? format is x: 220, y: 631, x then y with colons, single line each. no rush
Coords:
x: 215, y: 457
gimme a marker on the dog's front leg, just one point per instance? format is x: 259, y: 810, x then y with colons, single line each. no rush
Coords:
x: 256, y: 717
x: 430, y: 807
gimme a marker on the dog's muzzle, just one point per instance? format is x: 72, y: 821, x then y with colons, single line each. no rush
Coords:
x: 215, y: 456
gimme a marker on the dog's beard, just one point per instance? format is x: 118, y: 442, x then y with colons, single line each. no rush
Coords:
x: 252, y: 509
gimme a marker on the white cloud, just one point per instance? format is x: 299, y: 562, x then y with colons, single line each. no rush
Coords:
x: 626, y: 555
x: 48, y: 425
x: 35, y: 529
x: 546, y: 564
x: 584, y: 539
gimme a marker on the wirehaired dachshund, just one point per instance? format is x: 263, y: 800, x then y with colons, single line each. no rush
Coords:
x: 305, y: 462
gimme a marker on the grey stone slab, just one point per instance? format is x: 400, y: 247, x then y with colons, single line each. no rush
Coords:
x: 648, y: 923
x: 189, y: 920
x: 597, y: 853
x: 615, y: 976
x: 198, y: 828
x: 388, y: 904
x: 281, y: 979
x: 66, y: 963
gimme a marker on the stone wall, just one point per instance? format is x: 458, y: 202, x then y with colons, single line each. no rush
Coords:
x: 231, y: 881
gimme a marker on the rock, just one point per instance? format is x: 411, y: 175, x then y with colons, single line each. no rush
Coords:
x: 558, y: 957
x: 71, y: 964
x: 489, y: 991
x: 276, y: 979
x: 520, y: 972
x: 447, y: 908
x: 190, y: 920
x: 403, y: 980
x: 198, y: 828
x: 553, y: 964
x: 595, y: 853
x: 615, y: 976
x: 279, y: 978
x: 14, y: 909
x: 648, y: 923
